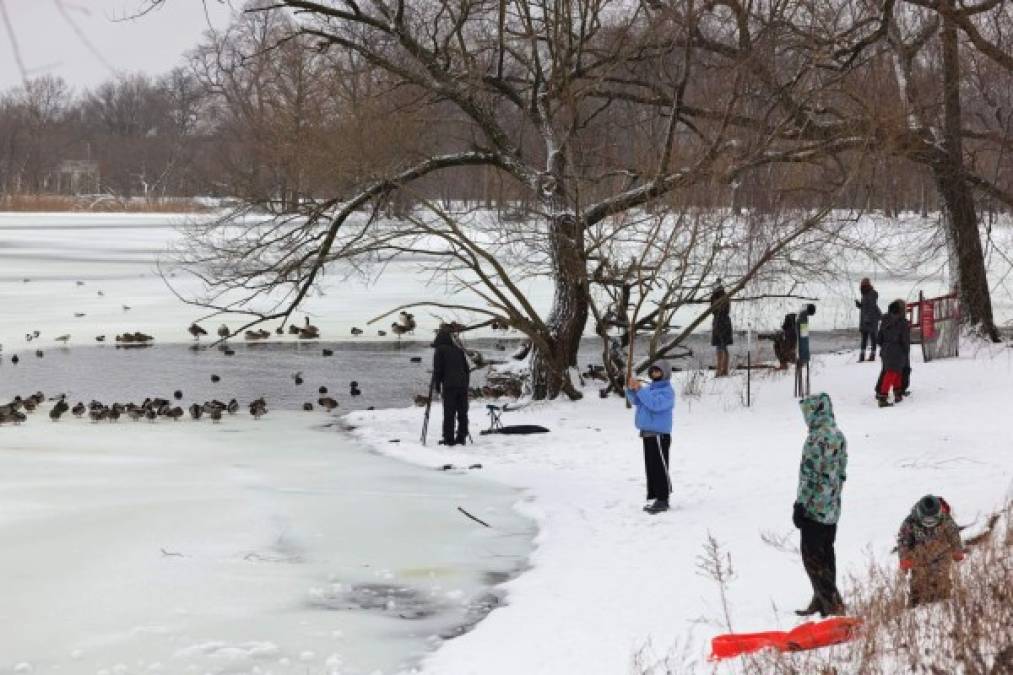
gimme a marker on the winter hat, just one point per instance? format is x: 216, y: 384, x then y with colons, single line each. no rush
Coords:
x: 928, y: 510
x: 664, y: 366
x: 897, y: 306
x: 866, y: 283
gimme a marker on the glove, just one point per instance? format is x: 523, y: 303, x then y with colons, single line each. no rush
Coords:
x: 797, y: 514
x: 906, y: 564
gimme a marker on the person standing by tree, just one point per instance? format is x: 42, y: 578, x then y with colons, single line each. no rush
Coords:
x: 451, y: 377
x: 655, y: 404
x: 721, y: 328
x: 817, y: 506
x: 868, y: 319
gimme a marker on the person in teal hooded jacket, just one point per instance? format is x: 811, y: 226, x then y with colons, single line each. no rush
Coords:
x: 817, y: 507
x: 655, y: 403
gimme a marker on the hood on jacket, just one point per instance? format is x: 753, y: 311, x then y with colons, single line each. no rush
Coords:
x: 817, y: 410
x: 665, y: 367
x: 443, y: 338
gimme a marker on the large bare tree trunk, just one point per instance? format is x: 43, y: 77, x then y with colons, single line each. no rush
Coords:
x: 958, y: 198
x: 570, y: 302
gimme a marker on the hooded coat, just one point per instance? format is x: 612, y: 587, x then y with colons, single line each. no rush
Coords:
x: 894, y: 341
x: 870, y: 314
x: 654, y: 403
x: 823, y: 469
x: 931, y: 551
x: 450, y: 364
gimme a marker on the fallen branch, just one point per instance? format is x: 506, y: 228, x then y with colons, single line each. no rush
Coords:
x: 477, y: 520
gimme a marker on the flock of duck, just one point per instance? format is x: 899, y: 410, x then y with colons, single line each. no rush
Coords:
x: 19, y: 408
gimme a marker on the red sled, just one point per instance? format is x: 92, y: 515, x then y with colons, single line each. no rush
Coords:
x: 805, y: 636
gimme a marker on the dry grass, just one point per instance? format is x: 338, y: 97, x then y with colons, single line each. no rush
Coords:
x: 96, y: 203
x: 970, y: 634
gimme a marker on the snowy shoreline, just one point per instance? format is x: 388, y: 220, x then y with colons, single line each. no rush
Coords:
x: 630, y: 581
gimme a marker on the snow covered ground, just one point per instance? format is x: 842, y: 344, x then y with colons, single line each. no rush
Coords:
x: 609, y: 581
x: 85, y: 509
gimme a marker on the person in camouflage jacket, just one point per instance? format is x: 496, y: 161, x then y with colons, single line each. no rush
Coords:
x: 817, y: 507
x: 928, y: 543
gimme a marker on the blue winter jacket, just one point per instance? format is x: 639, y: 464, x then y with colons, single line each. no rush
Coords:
x: 655, y: 404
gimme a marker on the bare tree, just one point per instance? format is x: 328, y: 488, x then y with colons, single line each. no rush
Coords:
x: 532, y: 91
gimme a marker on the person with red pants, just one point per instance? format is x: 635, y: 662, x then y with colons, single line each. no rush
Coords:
x: 894, y: 346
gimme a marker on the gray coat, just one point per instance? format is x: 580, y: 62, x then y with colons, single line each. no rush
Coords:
x: 894, y: 342
x: 870, y: 315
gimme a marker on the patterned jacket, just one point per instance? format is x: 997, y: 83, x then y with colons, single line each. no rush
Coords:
x: 823, y: 470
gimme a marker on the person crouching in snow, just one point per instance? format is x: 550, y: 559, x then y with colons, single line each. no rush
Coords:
x: 817, y: 506
x: 655, y: 403
x: 928, y: 543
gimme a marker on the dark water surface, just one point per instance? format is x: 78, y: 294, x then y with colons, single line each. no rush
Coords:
x: 386, y: 374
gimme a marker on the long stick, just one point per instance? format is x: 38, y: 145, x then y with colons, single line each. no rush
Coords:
x: 429, y: 405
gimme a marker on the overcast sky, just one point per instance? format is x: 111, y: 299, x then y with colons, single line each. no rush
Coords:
x: 85, y: 44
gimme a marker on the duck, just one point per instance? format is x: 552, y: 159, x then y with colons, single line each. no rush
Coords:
x: 215, y: 414
x: 356, y: 331
x: 233, y: 407
x: 229, y: 352
x: 293, y: 329
x: 355, y: 391
x: 309, y: 331
x: 78, y: 409
x: 178, y: 394
x: 328, y: 352
x: 100, y: 338
x: 196, y: 331
x: 327, y: 403
x: 381, y: 333
x: 39, y: 353
x: 223, y: 331
x: 196, y: 411
x: 216, y: 379
x: 297, y: 378
x: 322, y: 390
x: 126, y: 308
x: 407, y: 321
x: 175, y: 413
x: 307, y: 407
x: 15, y: 359
x: 79, y: 315
x: 63, y: 338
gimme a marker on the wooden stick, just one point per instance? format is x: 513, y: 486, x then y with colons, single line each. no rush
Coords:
x: 477, y: 520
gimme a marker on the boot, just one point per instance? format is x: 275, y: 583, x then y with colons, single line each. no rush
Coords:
x: 897, y: 397
x: 836, y: 609
x: 883, y: 403
x: 861, y: 356
x: 658, y: 506
x: 814, y: 607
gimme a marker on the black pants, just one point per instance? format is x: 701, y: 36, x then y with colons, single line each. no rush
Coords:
x: 455, y: 405
x: 820, y: 561
x: 659, y: 486
x: 869, y: 337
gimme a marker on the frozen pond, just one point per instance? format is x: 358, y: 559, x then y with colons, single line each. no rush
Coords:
x: 265, y: 547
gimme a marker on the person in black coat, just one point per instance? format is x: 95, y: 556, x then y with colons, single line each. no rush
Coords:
x: 869, y: 316
x: 894, y: 351
x: 451, y: 376
x: 721, y: 329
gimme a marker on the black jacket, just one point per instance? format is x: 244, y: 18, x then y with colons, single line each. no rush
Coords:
x: 721, y: 327
x: 895, y: 341
x: 870, y: 315
x: 450, y: 364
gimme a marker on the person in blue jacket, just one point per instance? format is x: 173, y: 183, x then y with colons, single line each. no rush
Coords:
x: 655, y: 403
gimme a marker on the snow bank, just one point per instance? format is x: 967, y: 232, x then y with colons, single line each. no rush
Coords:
x: 608, y: 581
